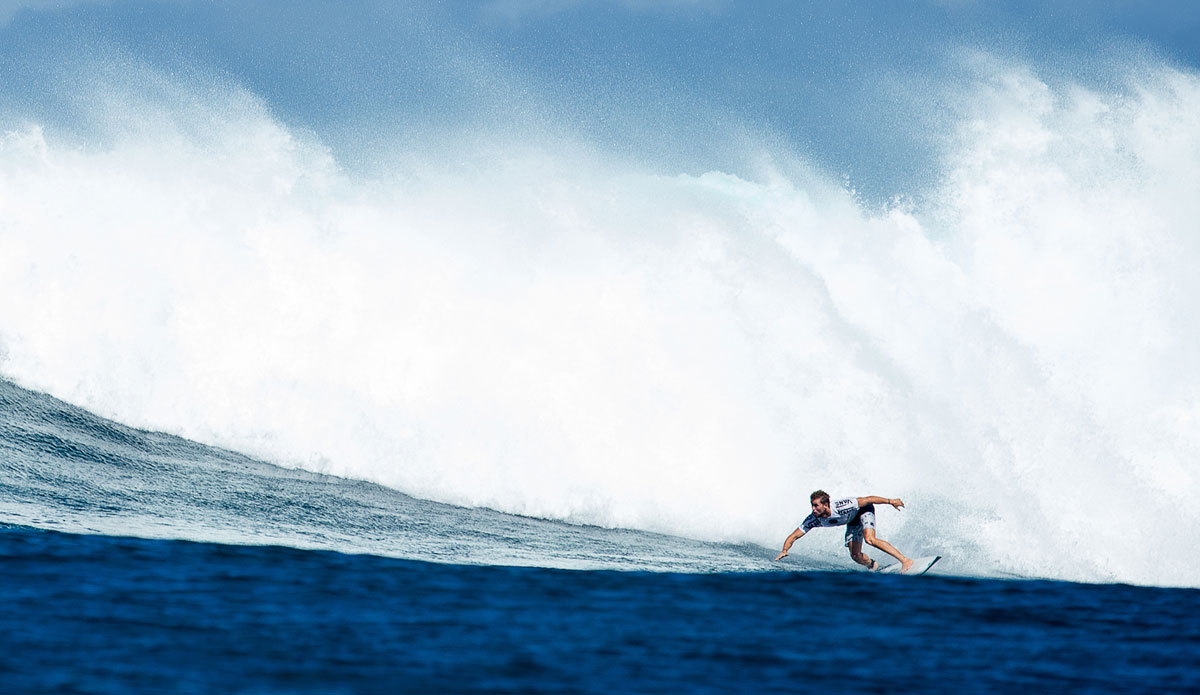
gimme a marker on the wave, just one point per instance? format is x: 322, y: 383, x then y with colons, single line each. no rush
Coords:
x: 550, y: 330
x: 65, y: 469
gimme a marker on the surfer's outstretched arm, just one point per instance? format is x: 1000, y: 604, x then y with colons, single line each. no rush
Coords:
x: 787, y: 544
x: 872, y: 499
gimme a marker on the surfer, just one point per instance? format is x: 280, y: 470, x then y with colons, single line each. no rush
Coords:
x: 857, y: 514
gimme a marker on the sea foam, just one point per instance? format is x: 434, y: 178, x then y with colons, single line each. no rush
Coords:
x: 548, y: 330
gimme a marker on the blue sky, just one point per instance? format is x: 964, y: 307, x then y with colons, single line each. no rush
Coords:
x: 840, y: 83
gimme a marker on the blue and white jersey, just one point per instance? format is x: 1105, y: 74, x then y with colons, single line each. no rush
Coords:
x: 841, y: 511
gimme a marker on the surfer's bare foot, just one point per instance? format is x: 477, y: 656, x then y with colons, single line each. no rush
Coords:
x: 906, y: 566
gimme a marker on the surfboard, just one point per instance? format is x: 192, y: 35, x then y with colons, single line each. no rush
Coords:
x: 921, y: 565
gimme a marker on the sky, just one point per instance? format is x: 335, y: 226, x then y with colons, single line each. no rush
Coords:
x: 684, y: 84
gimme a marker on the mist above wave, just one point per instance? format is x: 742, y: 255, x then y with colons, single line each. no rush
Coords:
x: 544, y: 329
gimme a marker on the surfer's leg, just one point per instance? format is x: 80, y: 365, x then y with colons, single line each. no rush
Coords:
x: 859, y: 556
x: 854, y: 541
x: 875, y: 542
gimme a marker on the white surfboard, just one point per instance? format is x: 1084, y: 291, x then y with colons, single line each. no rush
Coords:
x: 920, y: 565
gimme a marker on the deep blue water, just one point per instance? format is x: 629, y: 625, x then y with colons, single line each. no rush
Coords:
x: 105, y: 614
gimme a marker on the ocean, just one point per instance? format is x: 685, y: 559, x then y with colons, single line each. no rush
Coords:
x: 497, y: 346
x: 102, y: 595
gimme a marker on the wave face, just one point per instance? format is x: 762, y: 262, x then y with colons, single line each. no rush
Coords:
x: 476, y: 299
x: 62, y: 468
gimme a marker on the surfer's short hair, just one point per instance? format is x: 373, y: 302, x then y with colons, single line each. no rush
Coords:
x: 819, y: 495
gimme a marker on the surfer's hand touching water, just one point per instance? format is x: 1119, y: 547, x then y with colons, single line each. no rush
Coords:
x: 857, y: 514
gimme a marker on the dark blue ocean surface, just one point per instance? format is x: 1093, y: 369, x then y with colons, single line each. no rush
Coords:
x: 105, y: 614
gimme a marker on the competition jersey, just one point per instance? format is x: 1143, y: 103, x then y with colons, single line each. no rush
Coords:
x: 841, y: 511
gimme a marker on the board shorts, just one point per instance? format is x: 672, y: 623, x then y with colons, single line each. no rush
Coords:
x: 865, y: 518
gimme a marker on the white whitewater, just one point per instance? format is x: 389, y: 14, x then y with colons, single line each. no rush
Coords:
x: 549, y: 331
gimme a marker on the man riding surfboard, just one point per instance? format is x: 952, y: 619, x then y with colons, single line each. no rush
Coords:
x: 857, y: 514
